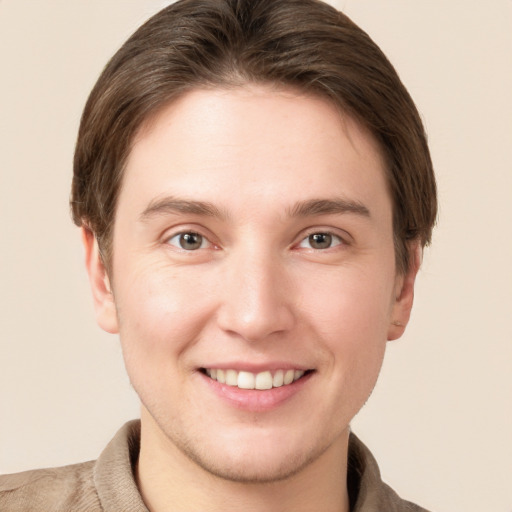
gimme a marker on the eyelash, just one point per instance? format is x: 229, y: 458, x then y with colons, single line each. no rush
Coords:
x: 332, y: 238
x: 205, y: 243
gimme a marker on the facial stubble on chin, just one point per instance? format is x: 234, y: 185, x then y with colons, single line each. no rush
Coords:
x: 289, y: 467
x: 251, y: 476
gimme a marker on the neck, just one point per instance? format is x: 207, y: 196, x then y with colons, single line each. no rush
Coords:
x: 169, y: 480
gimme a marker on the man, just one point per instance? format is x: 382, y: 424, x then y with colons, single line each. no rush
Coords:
x: 254, y: 190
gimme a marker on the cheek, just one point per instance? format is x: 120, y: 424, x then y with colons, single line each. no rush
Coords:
x: 350, y: 314
x: 352, y: 303
x: 160, y: 315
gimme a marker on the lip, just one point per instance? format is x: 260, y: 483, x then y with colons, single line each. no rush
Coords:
x: 259, y: 367
x: 253, y: 400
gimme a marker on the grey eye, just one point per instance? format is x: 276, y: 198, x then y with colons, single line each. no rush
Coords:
x: 188, y: 241
x: 320, y: 241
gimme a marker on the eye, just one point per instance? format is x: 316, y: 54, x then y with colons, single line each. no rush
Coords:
x: 189, y: 241
x: 320, y: 241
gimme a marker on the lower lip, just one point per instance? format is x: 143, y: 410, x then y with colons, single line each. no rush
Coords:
x: 255, y: 400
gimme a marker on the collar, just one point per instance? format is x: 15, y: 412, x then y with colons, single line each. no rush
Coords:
x: 115, y: 481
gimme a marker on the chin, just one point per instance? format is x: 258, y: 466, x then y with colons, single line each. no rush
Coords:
x: 244, y: 468
x: 263, y: 457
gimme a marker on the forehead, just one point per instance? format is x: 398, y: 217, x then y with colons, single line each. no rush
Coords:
x: 253, y: 143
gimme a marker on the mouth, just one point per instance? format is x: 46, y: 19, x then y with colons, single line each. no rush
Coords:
x: 259, y: 381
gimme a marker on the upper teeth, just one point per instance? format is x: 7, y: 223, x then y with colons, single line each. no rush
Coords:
x: 248, y: 380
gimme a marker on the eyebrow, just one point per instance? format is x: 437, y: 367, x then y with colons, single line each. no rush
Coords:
x: 313, y: 207
x: 169, y: 205
x: 308, y: 208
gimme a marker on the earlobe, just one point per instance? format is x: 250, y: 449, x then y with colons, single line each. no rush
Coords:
x: 103, y: 298
x: 404, y: 295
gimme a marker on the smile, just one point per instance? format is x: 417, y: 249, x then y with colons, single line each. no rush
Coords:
x: 247, y: 380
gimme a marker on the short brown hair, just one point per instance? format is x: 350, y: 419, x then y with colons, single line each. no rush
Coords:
x: 305, y: 44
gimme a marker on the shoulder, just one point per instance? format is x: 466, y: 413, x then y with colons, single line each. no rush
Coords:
x: 367, y: 491
x: 53, y: 490
x: 393, y: 502
x: 96, y: 486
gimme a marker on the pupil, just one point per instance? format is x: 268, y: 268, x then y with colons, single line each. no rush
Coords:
x: 320, y: 240
x: 191, y: 241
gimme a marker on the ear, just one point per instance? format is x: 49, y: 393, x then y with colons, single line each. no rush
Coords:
x: 103, y: 298
x: 404, y: 294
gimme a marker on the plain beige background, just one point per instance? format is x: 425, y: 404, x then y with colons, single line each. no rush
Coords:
x: 440, y: 419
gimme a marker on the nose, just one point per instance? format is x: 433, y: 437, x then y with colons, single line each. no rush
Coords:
x: 257, y: 299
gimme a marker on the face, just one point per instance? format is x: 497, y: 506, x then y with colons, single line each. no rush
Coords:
x: 253, y: 282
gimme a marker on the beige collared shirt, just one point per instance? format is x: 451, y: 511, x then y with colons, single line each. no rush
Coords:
x: 108, y: 484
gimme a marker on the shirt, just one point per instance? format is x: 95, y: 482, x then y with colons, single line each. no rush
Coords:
x: 108, y: 484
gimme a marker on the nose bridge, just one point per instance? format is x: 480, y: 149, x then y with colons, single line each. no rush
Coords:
x: 256, y: 299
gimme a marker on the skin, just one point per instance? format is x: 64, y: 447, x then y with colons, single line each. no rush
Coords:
x: 256, y: 294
